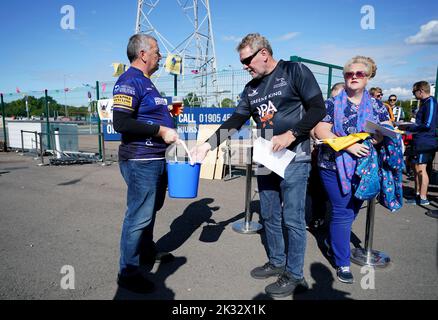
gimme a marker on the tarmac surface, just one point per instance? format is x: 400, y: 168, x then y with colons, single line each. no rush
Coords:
x: 57, y: 216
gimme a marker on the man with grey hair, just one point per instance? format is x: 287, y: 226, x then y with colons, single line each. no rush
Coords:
x: 141, y: 115
x: 286, y: 102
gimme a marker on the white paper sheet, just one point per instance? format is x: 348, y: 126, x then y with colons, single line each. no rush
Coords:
x: 371, y: 127
x: 275, y: 161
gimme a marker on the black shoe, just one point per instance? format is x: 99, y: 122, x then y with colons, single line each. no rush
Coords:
x: 286, y: 285
x: 344, y: 274
x: 266, y: 271
x: 161, y: 257
x: 135, y: 283
x: 164, y: 257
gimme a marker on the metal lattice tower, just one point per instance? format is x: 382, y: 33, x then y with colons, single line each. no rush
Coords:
x: 196, y: 48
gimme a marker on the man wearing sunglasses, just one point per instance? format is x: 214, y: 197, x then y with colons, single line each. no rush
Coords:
x: 286, y: 102
x: 424, y: 144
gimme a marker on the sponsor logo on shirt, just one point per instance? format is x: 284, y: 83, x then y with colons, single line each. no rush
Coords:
x: 124, y: 89
x: 269, y: 96
x: 281, y: 84
x: 149, y: 143
x: 159, y: 101
x: 266, y: 112
x: 122, y: 100
x: 253, y: 93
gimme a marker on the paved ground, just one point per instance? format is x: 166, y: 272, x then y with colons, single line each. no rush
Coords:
x: 57, y: 216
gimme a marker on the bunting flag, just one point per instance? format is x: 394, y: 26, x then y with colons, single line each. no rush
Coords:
x: 119, y: 68
x: 173, y: 64
x: 17, y: 90
x: 66, y: 89
x: 103, y: 87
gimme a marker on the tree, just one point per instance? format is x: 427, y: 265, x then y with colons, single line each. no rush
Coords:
x: 227, y: 103
x: 192, y: 100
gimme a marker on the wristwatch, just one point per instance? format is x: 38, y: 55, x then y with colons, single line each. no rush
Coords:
x: 294, y: 132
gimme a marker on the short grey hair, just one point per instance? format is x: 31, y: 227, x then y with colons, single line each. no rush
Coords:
x: 256, y: 42
x: 137, y: 43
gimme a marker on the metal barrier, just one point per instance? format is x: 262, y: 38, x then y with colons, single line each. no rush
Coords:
x: 228, y: 155
x: 367, y: 256
x: 76, y: 157
x: 247, y: 226
x: 22, y: 140
x: 5, y: 137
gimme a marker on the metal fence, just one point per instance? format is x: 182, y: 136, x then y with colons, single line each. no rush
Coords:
x: 221, y: 89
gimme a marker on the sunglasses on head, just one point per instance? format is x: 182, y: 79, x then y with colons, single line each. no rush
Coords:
x: 358, y: 74
x: 247, y: 60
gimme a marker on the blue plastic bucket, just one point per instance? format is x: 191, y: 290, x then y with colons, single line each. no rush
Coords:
x: 183, y: 179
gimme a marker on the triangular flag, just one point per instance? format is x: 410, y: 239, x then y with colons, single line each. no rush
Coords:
x: 173, y: 64
x: 103, y: 87
x: 18, y: 90
x: 119, y: 68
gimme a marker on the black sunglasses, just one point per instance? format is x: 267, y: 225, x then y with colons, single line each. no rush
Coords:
x: 392, y: 99
x: 247, y: 60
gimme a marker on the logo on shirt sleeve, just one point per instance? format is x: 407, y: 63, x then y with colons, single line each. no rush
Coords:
x: 124, y: 89
x: 122, y: 100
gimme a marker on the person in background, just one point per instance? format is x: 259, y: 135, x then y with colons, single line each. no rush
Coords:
x: 336, y: 89
x: 424, y: 143
x: 141, y: 115
x: 286, y: 102
x: 397, y: 111
x: 346, y: 114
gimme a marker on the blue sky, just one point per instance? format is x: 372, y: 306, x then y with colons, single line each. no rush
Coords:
x: 36, y: 52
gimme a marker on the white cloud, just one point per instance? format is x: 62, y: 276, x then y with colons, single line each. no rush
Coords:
x: 401, y: 93
x: 428, y: 34
x: 232, y: 38
x: 287, y: 36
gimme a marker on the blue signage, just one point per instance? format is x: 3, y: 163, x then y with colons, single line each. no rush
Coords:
x: 109, y: 134
x: 188, y: 123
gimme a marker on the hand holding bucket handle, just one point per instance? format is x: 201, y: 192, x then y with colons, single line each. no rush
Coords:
x: 169, y: 135
x: 199, y: 152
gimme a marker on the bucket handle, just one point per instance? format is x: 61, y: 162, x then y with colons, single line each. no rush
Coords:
x: 187, y: 150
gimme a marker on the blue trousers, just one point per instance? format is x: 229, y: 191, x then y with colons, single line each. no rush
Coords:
x: 344, y: 211
x: 282, y: 202
x: 147, y: 183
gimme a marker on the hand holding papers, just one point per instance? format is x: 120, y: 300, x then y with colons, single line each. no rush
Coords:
x: 372, y: 127
x: 275, y: 161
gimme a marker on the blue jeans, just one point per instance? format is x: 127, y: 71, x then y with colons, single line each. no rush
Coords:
x: 344, y: 211
x: 147, y: 183
x: 282, y: 202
